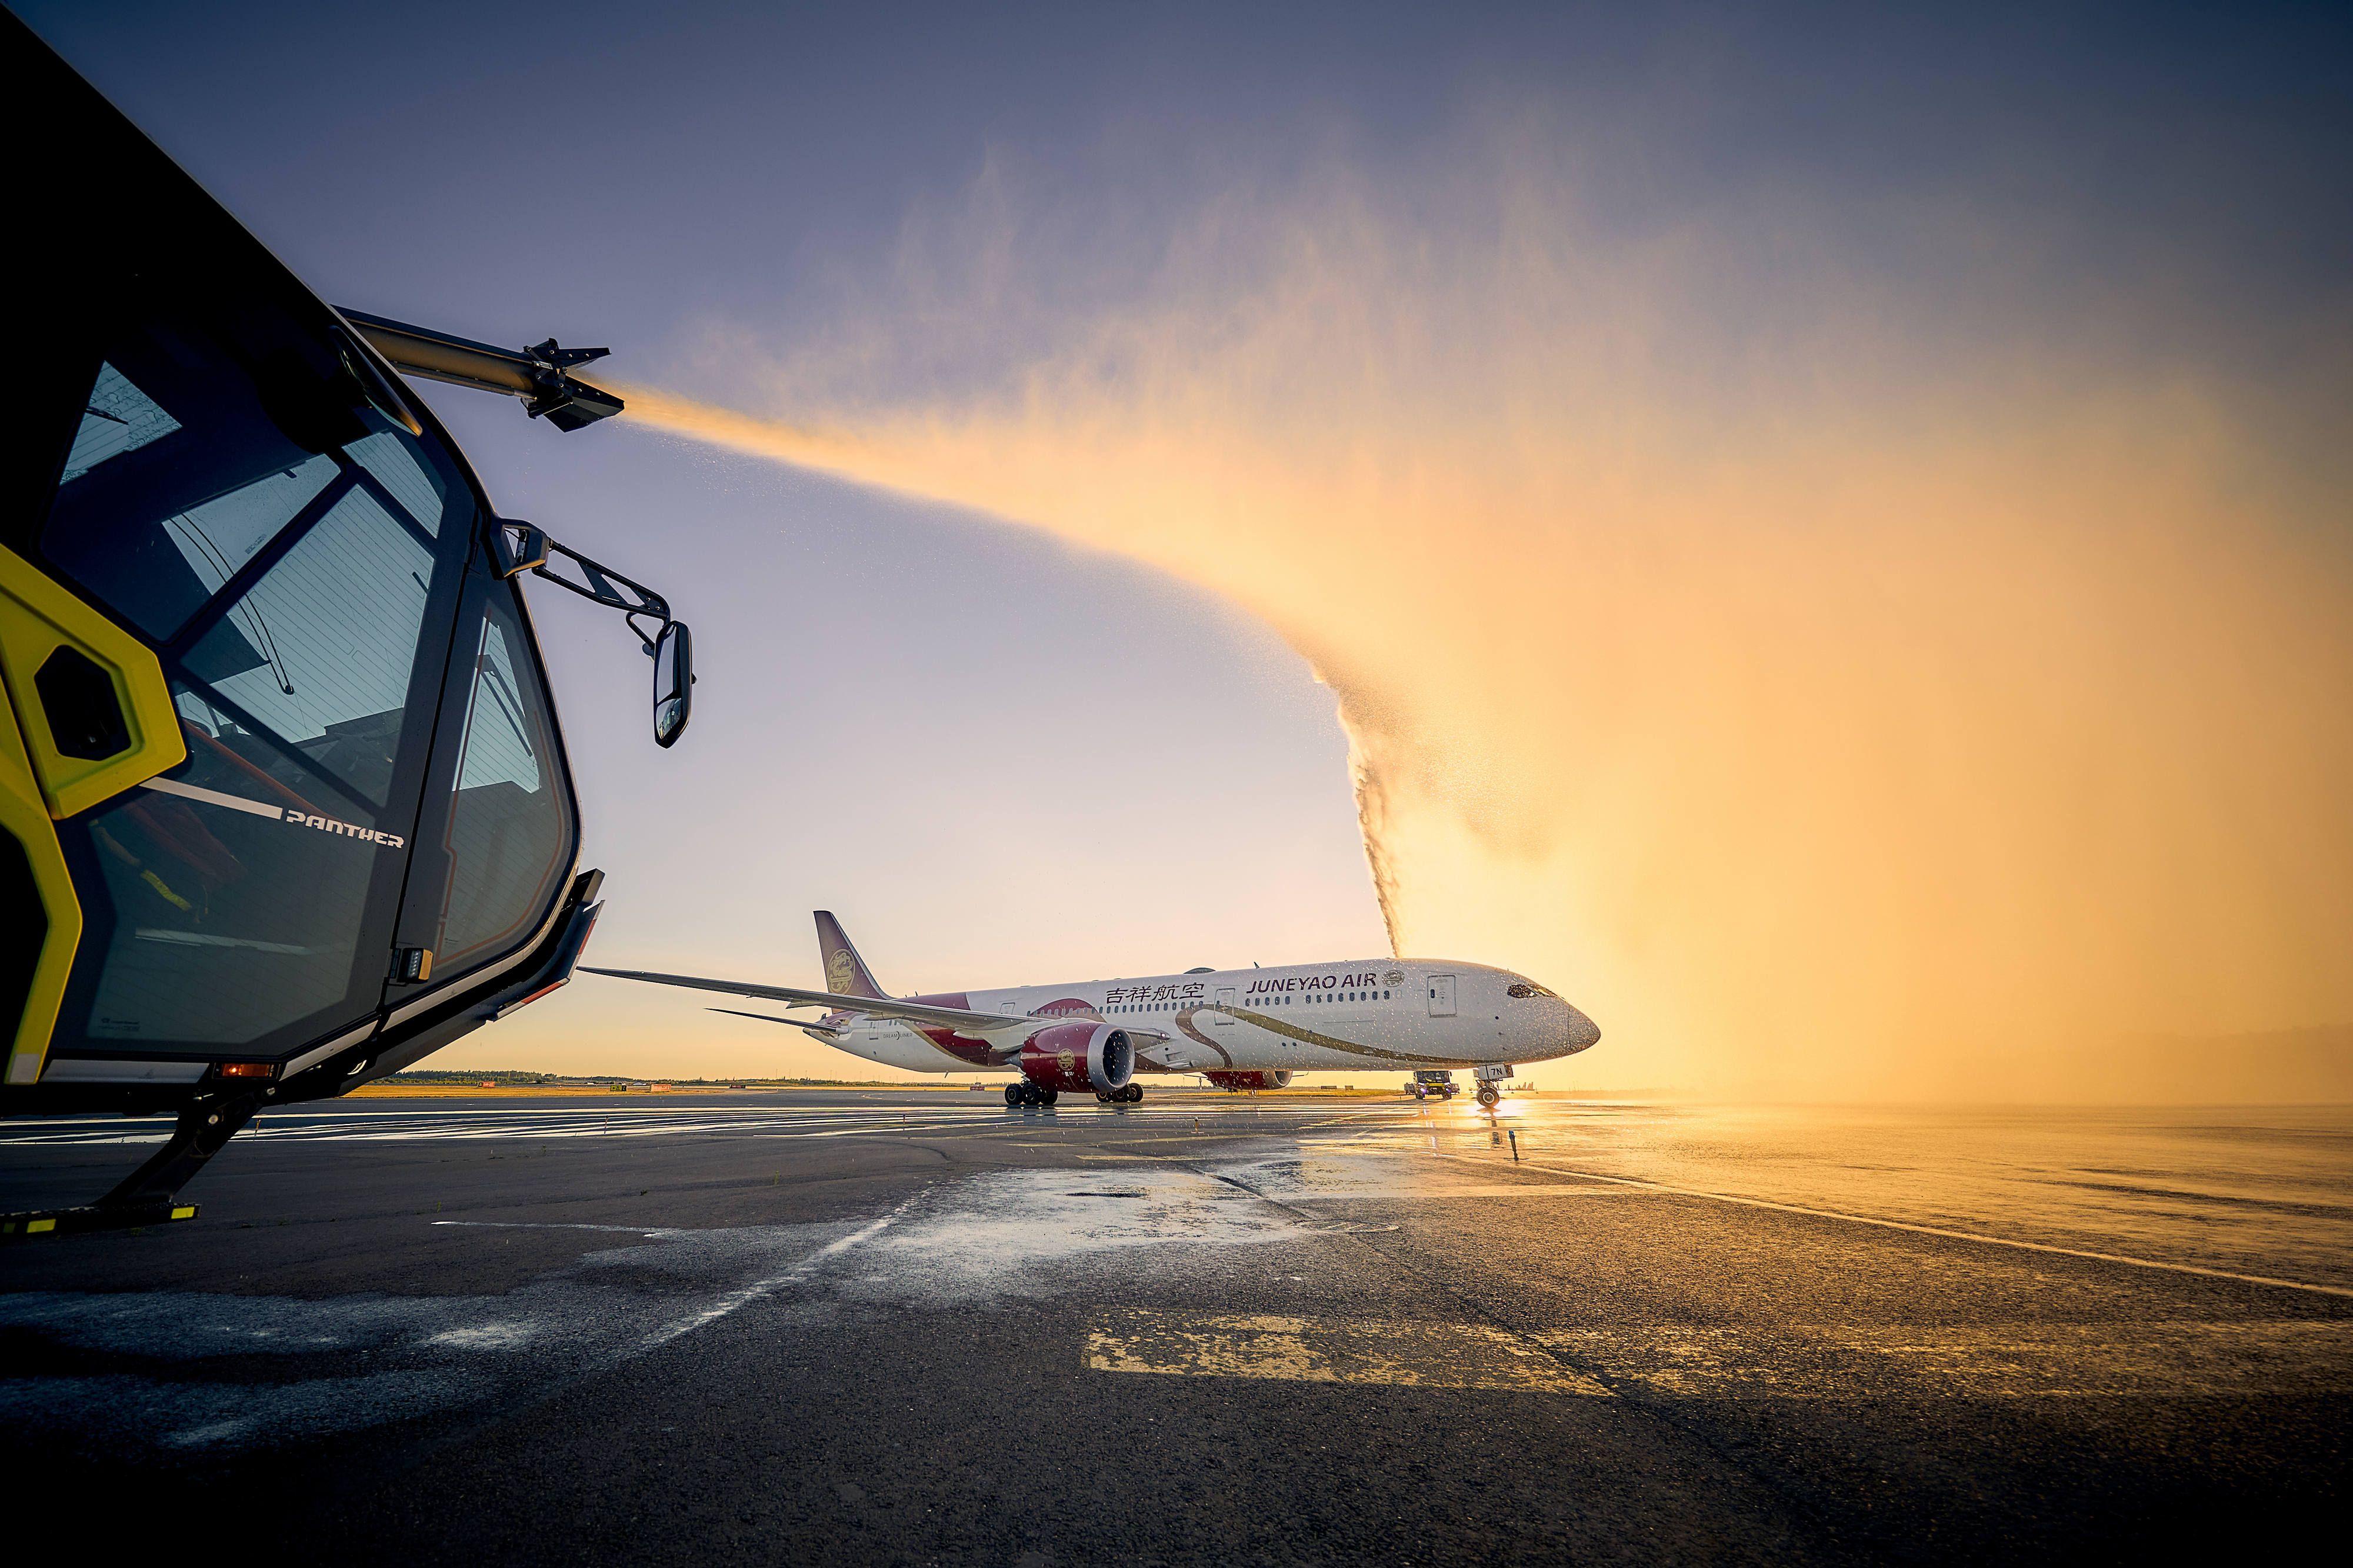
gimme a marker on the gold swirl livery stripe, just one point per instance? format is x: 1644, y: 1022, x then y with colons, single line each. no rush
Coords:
x: 1310, y: 1037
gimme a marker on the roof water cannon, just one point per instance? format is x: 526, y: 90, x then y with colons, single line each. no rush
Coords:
x: 538, y: 375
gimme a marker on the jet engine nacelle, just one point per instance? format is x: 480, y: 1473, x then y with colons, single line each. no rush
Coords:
x: 1079, y: 1056
x: 1235, y: 1082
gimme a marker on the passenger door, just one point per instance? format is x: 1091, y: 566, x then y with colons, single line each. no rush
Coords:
x: 1441, y: 996
x: 1224, y: 1014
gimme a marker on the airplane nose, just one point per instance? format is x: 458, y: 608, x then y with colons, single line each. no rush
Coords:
x: 1582, y: 1030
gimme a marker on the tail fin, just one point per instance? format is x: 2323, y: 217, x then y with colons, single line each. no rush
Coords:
x: 846, y: 973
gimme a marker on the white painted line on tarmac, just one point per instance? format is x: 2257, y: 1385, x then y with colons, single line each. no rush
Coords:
x: 1935, y: 1230
x: 753, y: 1291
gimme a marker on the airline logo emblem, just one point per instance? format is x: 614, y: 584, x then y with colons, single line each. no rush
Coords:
x: 1173, y: 992
x: 840, y: 971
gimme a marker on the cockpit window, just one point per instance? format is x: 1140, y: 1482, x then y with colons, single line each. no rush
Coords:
x: 1524, y: 988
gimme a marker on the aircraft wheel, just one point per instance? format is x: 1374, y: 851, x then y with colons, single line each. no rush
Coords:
x: 1013, y: 1093
x: 1135, y: 1094
x: 1101, y: 1098
x: 1488, y: 1095
x: 1047, y: 1096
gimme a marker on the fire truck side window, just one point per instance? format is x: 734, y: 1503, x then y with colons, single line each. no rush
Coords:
x: 506, y: 838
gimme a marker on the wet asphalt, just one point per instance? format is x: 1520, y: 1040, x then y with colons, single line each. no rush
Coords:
x: 920, y: 1328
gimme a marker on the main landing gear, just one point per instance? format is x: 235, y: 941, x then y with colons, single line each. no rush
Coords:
x: 1027, y: 1093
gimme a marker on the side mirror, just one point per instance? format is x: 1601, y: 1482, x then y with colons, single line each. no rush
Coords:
x: 673, y: 653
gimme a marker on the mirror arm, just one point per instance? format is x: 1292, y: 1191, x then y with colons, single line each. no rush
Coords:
x: 517, y: 547
x: 600, y: 588
x: 646, y: 639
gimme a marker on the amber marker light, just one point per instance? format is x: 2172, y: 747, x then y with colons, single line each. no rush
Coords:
x: 247, y: 1070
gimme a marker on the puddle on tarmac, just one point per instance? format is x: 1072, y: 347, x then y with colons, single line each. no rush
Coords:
x: 1011, y: 1232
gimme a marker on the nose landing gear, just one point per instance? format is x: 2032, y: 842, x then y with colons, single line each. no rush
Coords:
x: 1489, y: 1095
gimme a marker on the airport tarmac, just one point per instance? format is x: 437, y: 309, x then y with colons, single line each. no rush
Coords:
x: 917, y: 1327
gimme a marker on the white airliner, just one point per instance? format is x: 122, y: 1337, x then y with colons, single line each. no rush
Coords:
x: 1241, y: 1028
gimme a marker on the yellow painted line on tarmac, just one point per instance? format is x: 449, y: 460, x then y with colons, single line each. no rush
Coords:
x: 1935, y: 1230
x: 1845, y: 1362
x: 1999, y: 1361
x: 1327, y: 1349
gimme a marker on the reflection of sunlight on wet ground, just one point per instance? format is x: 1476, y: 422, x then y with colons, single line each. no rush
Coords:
x: 1001, y: 1233
x: 2263, y: 1190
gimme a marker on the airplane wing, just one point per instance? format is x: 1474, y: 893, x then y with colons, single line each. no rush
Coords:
x: 957, y: 1018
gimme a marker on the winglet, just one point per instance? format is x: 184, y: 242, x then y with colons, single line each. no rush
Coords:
x: 846, y: 973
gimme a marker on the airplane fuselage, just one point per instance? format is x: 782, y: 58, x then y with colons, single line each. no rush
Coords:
x: 1370, y: 1015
